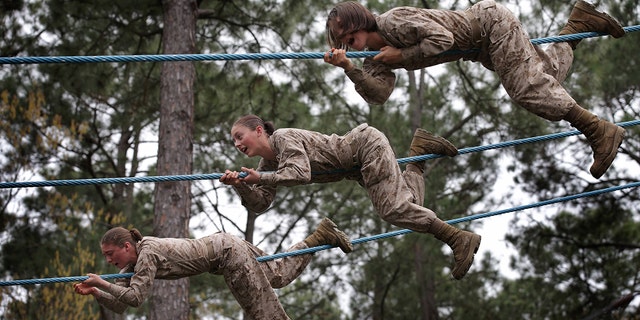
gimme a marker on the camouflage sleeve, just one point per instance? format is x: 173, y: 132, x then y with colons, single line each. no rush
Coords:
x: 293, y: 167
x: 109, y: 301
x: 140, y: 284
x: 374, y: 81
x: 423, y: 37
x: 256, y: 198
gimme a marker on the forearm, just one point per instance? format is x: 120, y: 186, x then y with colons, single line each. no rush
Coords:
x: 110, y: 302
x: 373, y: 89
x: 127, y: 295
x: 256, y: 198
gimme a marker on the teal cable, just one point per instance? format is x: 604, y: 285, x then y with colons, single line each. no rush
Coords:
x: 254, y: 56
x: 356, y: 241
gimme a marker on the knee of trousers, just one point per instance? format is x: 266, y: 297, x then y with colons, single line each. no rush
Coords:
x: 540, y: 94
x: 401, y: 210
x: 229, y: 251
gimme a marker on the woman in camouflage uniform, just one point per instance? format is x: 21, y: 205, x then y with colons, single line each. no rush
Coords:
x: 250, y: 281
x: 289, y: 156
x: 415, y: 38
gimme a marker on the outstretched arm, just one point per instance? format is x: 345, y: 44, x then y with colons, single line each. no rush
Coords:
x: 103, y: 298
x: 254, y: 197
x: 374, y: 82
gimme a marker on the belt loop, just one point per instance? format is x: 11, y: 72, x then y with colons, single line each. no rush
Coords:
x: 354, y: 153
x: 477, y: 33
x: 351, y: 140
x: 211, y: 246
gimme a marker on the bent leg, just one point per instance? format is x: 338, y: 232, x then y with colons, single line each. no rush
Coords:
x: 523, y: 76
x: 392, y: 197
x: 393, y: 194
x: 531, y: 82
x: 281, y: 272
x: 557, y: 59
x: 245, y: 277
x: 415, y: 183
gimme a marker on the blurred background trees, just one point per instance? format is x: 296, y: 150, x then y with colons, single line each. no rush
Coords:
x: 99, y: 120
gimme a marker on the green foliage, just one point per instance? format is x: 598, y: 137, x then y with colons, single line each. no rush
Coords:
x: 587, y: 260
x: 78, y: 121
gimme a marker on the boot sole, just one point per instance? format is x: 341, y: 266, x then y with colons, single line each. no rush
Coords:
x: 475, y: 244
x: 597, y: 172
x: 343, y: 240
x: 590, y: 9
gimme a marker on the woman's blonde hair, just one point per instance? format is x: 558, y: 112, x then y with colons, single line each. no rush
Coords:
x: 252, y: 121
x: 118, y: 236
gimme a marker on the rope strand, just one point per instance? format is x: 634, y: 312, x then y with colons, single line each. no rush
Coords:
x: 356, y: 241
x: 310, y: 55
x: 254, y: 56
x: 213, y: 176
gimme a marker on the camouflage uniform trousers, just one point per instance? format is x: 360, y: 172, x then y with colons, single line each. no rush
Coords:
x: 529, y: 74
x: 396, y: 195
x: 252, y: 282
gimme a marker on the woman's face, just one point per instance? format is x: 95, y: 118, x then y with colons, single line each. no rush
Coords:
x: 246, y: 139
x: 356, y: 40
x: 119, y: 256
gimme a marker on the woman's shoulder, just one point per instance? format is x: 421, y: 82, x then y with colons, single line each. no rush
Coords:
x: 292, y: 132
x: 401, y: 12
x: 399, y: 18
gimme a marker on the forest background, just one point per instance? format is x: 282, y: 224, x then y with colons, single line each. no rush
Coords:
x: 574, y: 260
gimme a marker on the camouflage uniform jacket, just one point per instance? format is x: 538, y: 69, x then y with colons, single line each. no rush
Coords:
x: 251, y: 282
x: 299, y: 153
x: 158, y: 258
x: 488, y: 33
x: 422, y: 35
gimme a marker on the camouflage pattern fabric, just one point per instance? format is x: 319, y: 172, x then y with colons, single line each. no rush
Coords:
x: 363, y: 154
x: 251, y: 282
x: 530, y: 75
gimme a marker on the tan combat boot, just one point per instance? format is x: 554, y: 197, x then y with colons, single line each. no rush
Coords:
x: 603, y: 136
x: 464, y: 244
x: 585, y: 18
x: 424, y: 142
x: 328, y: 233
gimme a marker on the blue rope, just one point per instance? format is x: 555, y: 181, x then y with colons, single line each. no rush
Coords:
x: 311, y: 55
x: 355, y: 241
x: 252, y: 56
x: 458, y: 220
x: 79, y: 182
x: 63, y: 279
x: 213, y: 176
x: 510, y: 143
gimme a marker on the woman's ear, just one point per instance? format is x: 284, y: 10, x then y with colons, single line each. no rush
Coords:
x: 259, y: 130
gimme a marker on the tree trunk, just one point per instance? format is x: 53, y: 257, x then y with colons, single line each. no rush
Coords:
x: 426, y: 286
x: 170, y: 299
x: 251, y: 225
x: 427, y: 299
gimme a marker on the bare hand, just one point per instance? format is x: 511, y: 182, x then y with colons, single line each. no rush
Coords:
x: 233, y: 178
x: 338, y: 58
x: 94, y: 280
x: 84, y: 289
x: 389, y: 55
x: 253, y: 176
